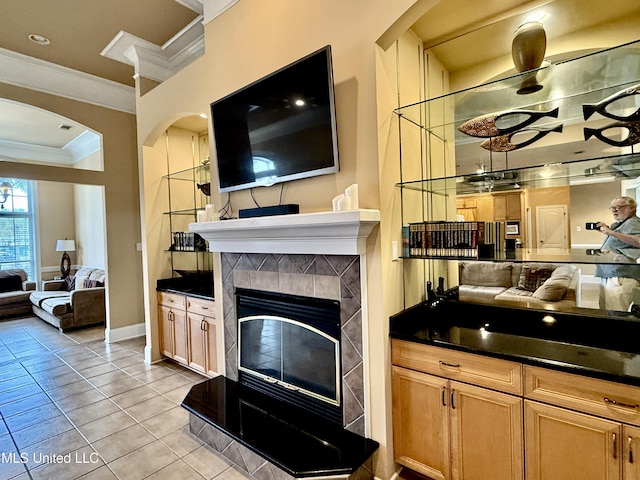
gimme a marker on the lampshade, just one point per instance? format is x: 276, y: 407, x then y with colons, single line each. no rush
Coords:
x: 66, y: 246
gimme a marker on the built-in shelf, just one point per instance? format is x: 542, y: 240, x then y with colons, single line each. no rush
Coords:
x: 333, y: 233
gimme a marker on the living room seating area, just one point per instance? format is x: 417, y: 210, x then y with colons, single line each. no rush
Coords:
x: 76, y: 301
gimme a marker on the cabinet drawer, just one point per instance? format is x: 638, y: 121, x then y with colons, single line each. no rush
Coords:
x: 494, y: 373
x: 171, y: 299
x: 203, y: 307
x: 590, y: 395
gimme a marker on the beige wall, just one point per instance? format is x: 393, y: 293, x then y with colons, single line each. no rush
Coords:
x: 121, y: 198
x: 51, y: 199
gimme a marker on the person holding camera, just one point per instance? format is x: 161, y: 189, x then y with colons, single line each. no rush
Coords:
x: 619, y: 280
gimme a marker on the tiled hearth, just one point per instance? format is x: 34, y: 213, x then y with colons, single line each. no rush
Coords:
x: 336, y: 277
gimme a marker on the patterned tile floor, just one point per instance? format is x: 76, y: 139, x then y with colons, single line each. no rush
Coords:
x: 72, y: 406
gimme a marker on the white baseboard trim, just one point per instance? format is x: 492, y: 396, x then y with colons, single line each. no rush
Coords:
x: 113, y: 335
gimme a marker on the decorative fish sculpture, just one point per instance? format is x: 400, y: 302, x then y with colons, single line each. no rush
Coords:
x: 633, y: 137
x: 601, y: 107
x: 204, y: 188
x: 487, y: 125
x: 503, y: 142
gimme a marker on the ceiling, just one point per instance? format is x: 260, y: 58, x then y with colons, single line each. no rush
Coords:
x: 461, y: 34
x: 79, y: 30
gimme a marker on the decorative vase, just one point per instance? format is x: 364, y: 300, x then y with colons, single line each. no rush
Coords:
x: 528, y: 49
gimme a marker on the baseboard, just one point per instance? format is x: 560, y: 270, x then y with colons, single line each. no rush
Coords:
x: 113, y: 335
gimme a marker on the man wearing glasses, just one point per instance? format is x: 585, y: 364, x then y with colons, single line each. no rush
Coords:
x: 623, y: 240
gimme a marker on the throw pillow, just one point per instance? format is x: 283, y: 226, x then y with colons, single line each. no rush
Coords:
x: 88, y: 283
x: 10, y: 283
x: 70, y: 282
x: 532, y: 277
x: 555, y: 288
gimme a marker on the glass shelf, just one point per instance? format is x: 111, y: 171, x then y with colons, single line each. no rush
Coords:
x: 567, y: 87
x: 567, y: 84
x: 550, y: 175
x: 522, y: 255
x: 197, y: 173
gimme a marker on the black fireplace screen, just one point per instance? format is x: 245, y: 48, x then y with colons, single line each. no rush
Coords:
x: 291, y: 342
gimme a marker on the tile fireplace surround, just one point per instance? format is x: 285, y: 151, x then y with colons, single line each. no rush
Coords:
x: 316, y: 255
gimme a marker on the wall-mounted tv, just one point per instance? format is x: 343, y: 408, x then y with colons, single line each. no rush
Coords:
x: 279, y: 128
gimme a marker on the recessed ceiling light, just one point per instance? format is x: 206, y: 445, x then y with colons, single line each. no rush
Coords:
x: 39, y: 39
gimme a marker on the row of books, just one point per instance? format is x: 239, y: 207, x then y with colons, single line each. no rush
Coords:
x: 450, y: 239
x: 188, y: 242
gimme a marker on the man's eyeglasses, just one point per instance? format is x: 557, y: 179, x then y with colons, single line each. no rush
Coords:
x: 618, y: 207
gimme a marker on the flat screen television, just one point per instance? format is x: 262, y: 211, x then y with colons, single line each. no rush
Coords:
x: 279, y: 128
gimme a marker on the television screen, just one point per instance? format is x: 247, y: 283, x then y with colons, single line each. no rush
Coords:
x: 279, y: 128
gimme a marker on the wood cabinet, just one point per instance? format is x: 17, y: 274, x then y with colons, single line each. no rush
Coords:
x: 592, y: 422
x: 563, y: 444
x: 458, y: 415
x: 202, y: 336
x: 506, y: 206
x: 173, y: 334
x: 188, y: 332
x: 447, y: 429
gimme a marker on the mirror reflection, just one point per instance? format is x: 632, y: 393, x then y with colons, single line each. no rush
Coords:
x: 558, y: 169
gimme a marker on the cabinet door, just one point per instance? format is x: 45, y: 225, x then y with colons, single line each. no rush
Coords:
x: 420, y: 422
x: 486, y: 434
x: 566, y: 445
x: 211, y: 346
x: 506, y: 206
x: 631, y: 447
x: 180, y: 336
x: 166, y: 331
x: 197, y: 334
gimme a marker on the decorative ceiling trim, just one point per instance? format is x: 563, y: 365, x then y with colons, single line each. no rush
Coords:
x: 215, y: 8
x: 83, y: 145
x: 77, y: 149
x: 158, y: 62
x: 22, y: 151
x: 35, y: 74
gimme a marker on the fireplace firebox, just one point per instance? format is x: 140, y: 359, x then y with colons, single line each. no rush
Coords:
x: 289, y: 348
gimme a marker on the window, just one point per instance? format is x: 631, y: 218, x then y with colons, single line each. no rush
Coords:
x: 17, y: 239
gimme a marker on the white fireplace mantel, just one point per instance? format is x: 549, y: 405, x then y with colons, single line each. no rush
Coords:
x: 333, y: 233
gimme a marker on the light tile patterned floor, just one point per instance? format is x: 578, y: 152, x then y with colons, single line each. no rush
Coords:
x: 72, y: 406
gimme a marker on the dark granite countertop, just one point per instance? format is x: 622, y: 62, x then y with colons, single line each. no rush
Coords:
x: 194, y: 286
x: 605, y: 347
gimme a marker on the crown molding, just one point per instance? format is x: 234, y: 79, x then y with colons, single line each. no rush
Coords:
x: 215, y: 8
x: 83, y: 145
x: 158, y: 62
x: 35, y: 74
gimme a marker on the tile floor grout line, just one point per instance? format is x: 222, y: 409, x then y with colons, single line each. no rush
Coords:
x: 13, y: 440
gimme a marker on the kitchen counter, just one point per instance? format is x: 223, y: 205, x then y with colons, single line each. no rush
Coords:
x: 605, y: 347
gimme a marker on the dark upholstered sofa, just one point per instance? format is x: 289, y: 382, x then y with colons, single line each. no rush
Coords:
x: 14, y: 293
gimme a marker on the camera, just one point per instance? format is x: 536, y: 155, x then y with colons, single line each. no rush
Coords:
x: 592, y: 225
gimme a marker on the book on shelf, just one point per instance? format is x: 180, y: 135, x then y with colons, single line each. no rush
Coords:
x: 187, y: 242
x: 451, y: 239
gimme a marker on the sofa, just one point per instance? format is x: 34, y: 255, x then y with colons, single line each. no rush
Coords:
x: 536, y: 284
x: 15, y: 289
x: 77, y: 301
